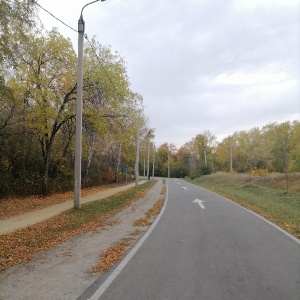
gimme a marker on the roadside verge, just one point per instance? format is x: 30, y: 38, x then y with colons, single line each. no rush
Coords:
x: 21, y: 221
x: 64, y: 272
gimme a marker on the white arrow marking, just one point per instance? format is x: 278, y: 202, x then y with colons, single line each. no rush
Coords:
x: 184, y: 187
x: 200, y: 203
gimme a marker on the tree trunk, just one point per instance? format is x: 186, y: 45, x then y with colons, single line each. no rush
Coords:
x: 118, y: 164
x: 46, y: 171
x: 91, y: 152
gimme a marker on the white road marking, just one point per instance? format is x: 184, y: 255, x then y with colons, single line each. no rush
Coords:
x: 121, y: 266
x: 199, y: 202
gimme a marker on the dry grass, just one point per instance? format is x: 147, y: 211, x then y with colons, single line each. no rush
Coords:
x: 113, y: 254
x: 110, y: 256
x: 142, y: 222
x: 274, y: 180
x: 152, y: 212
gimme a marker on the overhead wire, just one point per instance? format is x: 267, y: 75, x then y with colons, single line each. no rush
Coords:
x: 107, y: 75
x: 86, y: 37
x: 54, y: 16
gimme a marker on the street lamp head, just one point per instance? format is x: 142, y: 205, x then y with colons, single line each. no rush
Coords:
x: 81, y: 25
x: 90, y: 4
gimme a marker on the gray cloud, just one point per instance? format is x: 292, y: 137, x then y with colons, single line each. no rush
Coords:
x: 216, y: 65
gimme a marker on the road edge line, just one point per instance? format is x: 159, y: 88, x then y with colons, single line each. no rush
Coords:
x: 257, y: 215
x: 99, y: 292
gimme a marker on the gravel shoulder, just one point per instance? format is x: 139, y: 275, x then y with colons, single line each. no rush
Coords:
x: 64, y: 272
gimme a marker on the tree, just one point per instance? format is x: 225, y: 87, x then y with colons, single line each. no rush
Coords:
x: 7, y: 107
x: 294, y: 165
x: 162, y: 154
x: 109, y: 106
x: 282, y: 149
x: 16, y: 19
x: 45, y: 81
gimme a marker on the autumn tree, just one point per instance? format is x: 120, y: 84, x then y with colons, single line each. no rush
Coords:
x: 294, y: 163
x: 109, y: 107
x: 45, y: 82
x: 162, y: 156
x: 17, y: 18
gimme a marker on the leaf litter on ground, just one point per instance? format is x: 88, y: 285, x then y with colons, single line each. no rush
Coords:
x: 20, y: 246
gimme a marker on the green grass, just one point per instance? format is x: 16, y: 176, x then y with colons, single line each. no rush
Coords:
x: 92, y: 210
x: 270, y: 201
x: 20, y: 245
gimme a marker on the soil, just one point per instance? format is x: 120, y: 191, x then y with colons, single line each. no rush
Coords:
x: 65, y: 272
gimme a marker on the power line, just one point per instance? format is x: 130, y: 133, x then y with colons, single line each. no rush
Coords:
x: 54, y: 16
x: 107, y: 75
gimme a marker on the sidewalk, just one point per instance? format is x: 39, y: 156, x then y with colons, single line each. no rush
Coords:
x: 11, y: 224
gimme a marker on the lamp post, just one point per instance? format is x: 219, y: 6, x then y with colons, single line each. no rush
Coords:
x: 148, y: 157
x: 78, y: 139
x: 168, y: 165
x: 137, y: 160
x: 153, y: 161
x: 149, y: 136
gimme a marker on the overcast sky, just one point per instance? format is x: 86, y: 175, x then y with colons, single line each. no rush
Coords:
x: 218, y: 65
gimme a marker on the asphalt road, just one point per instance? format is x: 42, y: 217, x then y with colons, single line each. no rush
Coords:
x: 207, y: 250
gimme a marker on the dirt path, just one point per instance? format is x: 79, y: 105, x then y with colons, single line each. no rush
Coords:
x: 64, y: 272
x: 31, y: 218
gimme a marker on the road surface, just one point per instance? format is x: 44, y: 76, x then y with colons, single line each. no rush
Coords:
x: 206, y: 247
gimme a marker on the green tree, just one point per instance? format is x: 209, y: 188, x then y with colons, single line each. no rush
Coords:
x: 281, y: 148
x: 294, y: 165
x: 162, y: 154
x: 45, y: 81
x: 17, y: 17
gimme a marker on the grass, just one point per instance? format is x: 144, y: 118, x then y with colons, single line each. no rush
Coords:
x: 19, y: 205
x: 21, y: 245
x: 265, y: 195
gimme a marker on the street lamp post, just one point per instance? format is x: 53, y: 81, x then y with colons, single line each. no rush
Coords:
x: 148, y: 159
x: 149, y: 136
x: 168, y: 165
x: 137, y: 160
x: 78, y: 142
x: 153, y: 161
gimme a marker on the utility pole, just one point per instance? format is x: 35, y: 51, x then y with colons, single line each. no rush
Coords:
x: 137, y: 159
x: 78, y: 134
x: 153, y: 161
x: 148, y: 159
x: 78, y: 143
x: 231, y: 157
x: 168, y: 165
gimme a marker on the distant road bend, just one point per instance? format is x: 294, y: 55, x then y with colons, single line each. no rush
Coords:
x: 205, y: 247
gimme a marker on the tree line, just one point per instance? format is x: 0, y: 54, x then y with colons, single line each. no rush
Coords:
x: 37, y: 108
x: 272, y: 148
x: 37, y: 119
